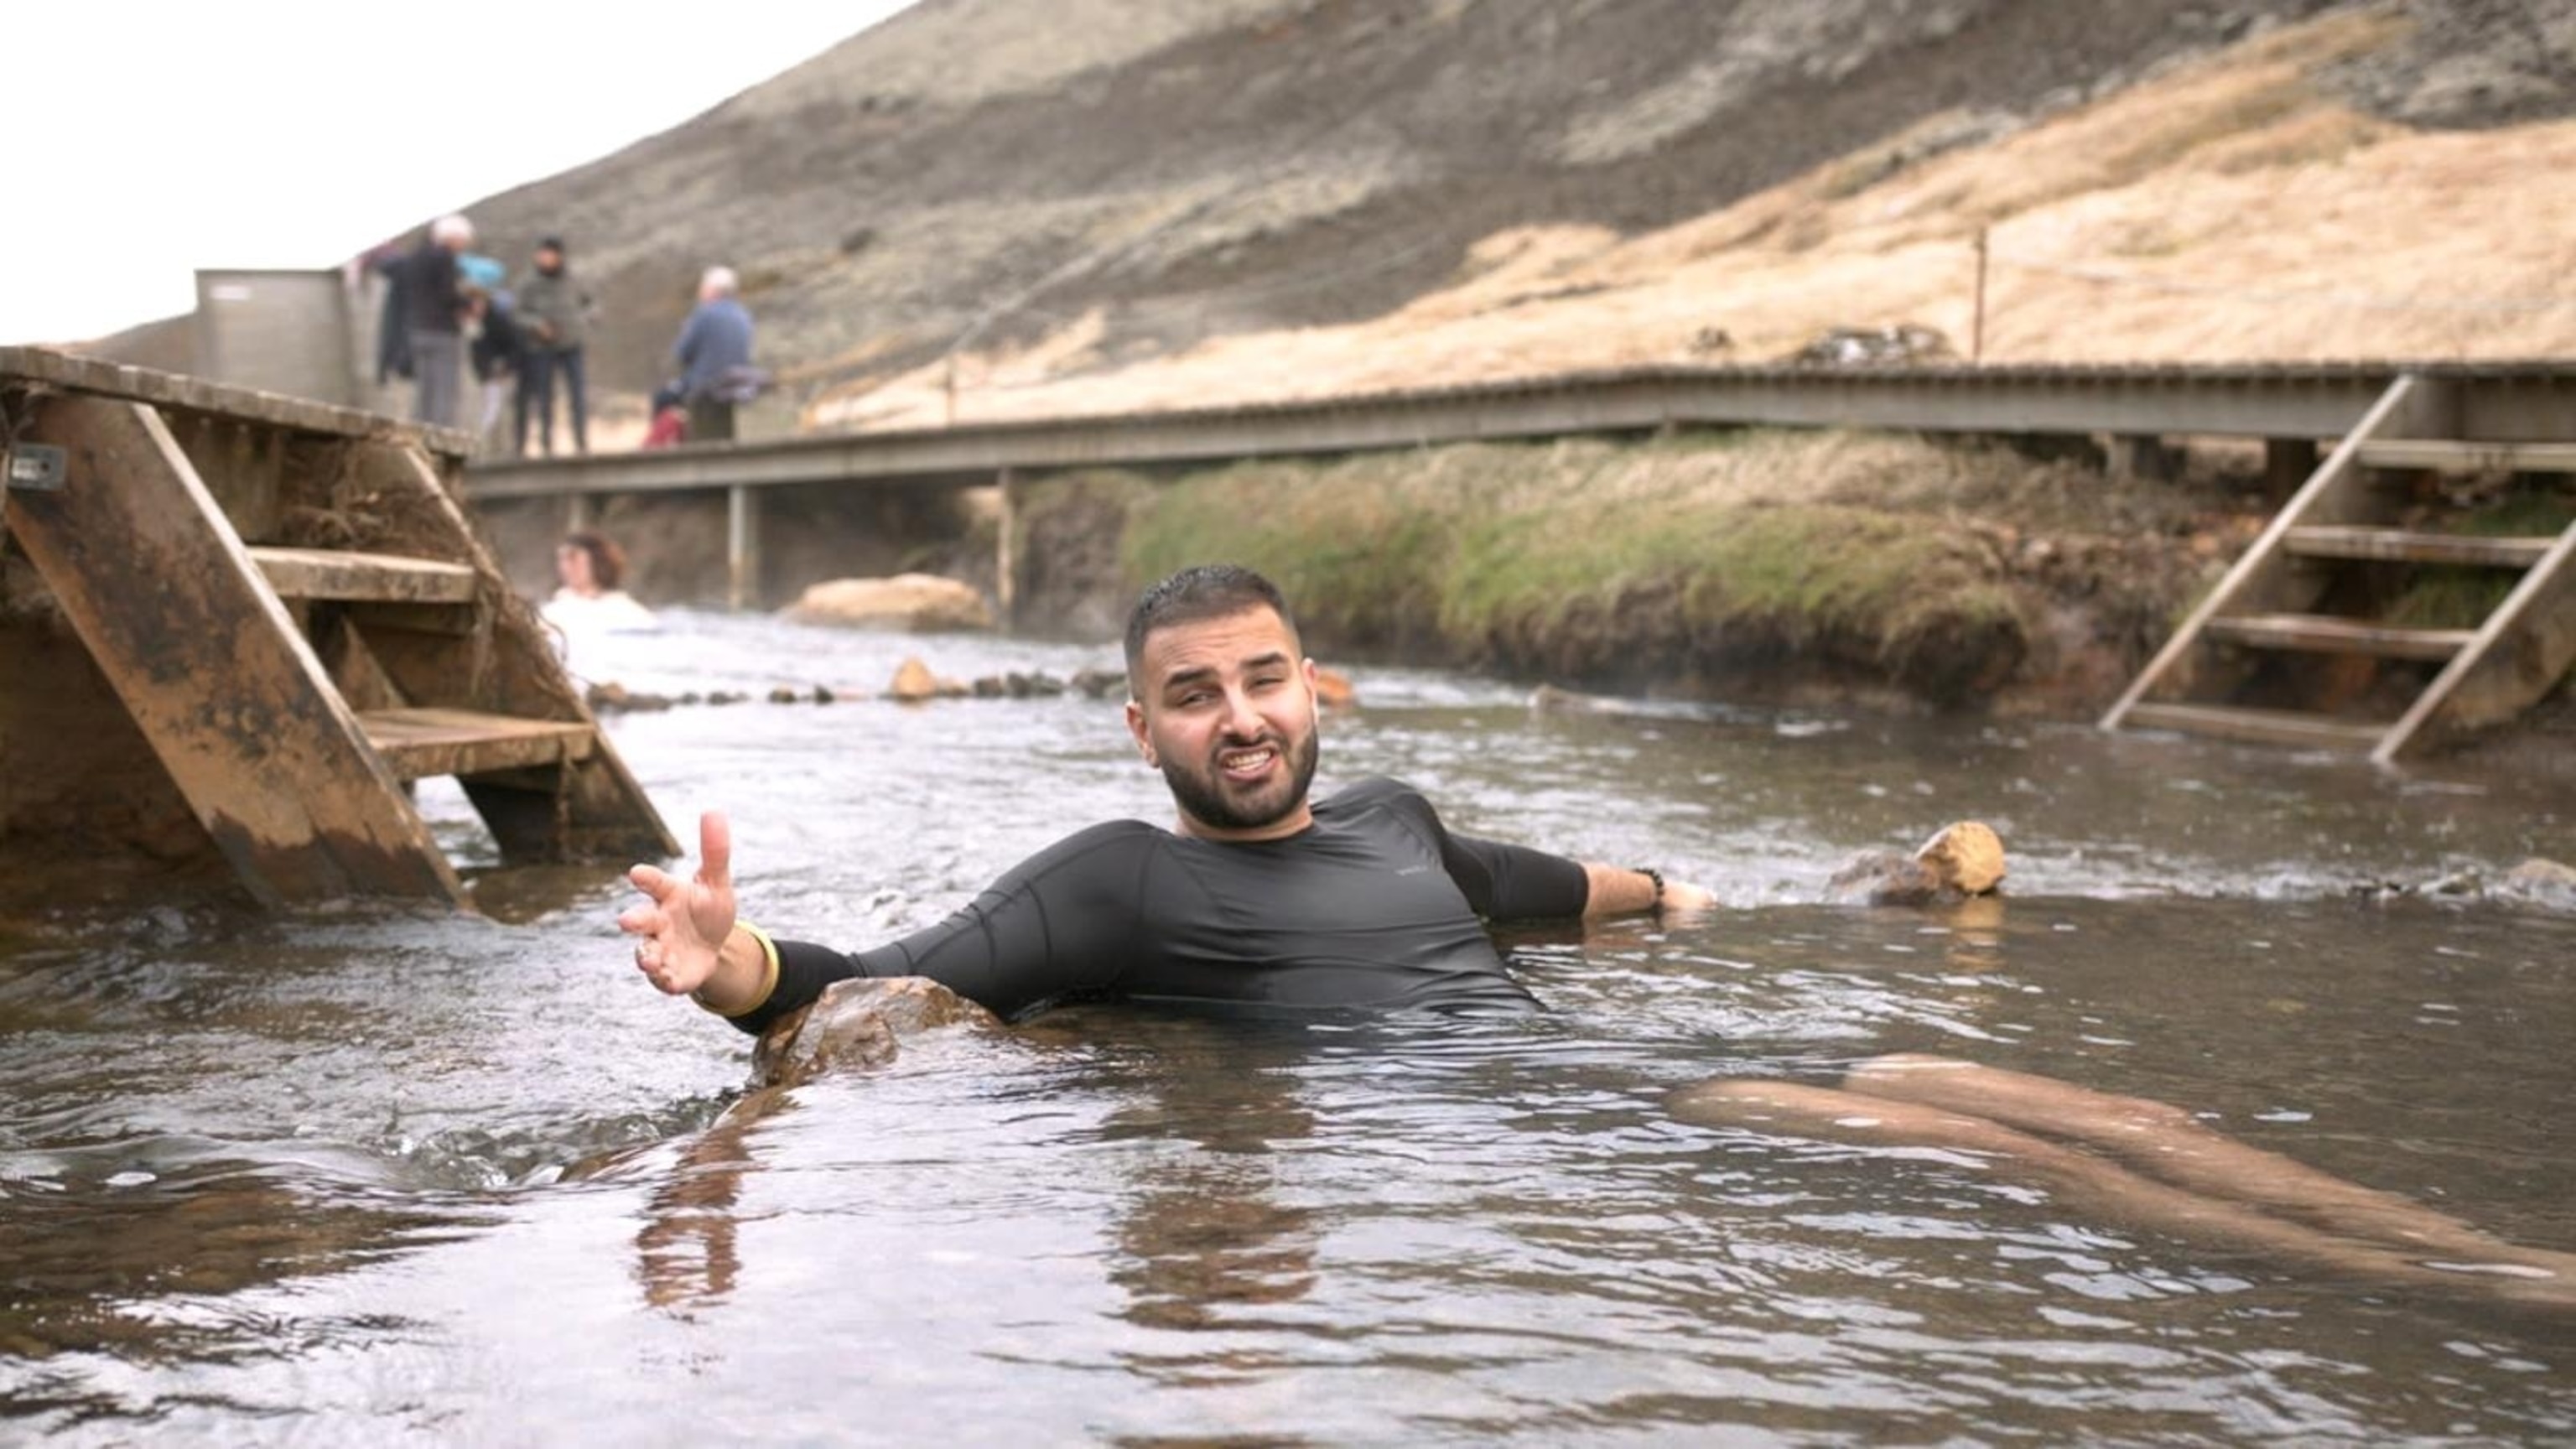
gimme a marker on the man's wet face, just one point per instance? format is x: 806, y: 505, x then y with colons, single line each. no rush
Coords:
x: 1225, y: 709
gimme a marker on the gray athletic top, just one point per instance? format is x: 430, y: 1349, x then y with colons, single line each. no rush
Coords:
x: 1377, y: 906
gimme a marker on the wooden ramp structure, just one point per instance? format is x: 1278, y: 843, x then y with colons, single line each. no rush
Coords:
x: 236, y: 626
x: 2295, y: 646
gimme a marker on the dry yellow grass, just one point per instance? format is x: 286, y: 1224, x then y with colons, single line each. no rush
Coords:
x: 2228, y: 211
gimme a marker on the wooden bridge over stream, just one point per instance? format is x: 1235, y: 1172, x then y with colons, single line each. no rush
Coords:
x: 2272, y: 656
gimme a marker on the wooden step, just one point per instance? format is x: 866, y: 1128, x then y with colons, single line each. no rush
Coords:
x: 2448, y: 456
x: 2401, y: 546
x: 2261, y: 726
x: 321, y: 573
x: 2329, y: 634
x: 419, y: 743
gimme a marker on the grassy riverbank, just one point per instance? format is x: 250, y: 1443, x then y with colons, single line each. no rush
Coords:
x: 1739, y: 564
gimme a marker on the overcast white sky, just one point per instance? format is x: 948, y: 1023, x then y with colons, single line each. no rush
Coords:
x: 143, y: 141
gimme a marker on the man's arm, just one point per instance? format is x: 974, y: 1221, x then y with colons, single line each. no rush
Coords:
x: 686, y: 346
x: 1620, y: 891
x: 1508, y: 882
x: 1061, y: 922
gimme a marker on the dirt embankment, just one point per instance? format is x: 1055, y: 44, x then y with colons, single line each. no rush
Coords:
x: 1897, y: 572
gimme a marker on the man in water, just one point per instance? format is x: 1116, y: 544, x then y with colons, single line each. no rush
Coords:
x: 1259, y: 898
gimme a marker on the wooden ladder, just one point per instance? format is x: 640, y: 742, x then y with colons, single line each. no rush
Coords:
x: 209, y: 549
x: 2268, y: 606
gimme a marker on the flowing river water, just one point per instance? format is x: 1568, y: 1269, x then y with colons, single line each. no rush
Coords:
x: 312, y: 1178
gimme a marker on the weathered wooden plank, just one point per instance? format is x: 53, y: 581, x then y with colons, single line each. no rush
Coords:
x: 361, y: 680
x: 420, y: 743
x: 457, y: 621
x: 2258, y: 726
x: 509, y: 668
x: 2397, y: 545
x: 2525, y: 647
x: 2326, y: 634
x: 210, y: 667
x: 2449, y: 456
x: 317, y: 573
x: 66, y: 372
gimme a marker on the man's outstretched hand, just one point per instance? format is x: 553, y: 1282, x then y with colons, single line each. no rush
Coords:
x: 685, y: 923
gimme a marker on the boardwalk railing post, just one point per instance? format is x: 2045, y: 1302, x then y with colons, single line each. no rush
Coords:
x: 576, y: 512
x: 1977, y: 335
x: 742, y: 548
x: 1006, y: 588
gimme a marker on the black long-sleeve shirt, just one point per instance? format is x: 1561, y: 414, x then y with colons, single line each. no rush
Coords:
x: 431, y: 299
x: 1376, y: 906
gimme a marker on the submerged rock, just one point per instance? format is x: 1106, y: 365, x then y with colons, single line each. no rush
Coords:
x: 2536, y: 882
x: 1962, y: 860
x: 610, y: 697
x: 859, y: 1024
x: 1016, y: 685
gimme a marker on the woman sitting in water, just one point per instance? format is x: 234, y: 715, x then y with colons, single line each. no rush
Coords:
x: 589, y: 567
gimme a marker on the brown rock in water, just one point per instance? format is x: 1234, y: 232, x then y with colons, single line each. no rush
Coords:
x: 1548, y: 699
x: 2542, y: 883
x: 1099, y: 683
x: 1963, y: 860
x: 610, y: 697
x: 921, y: 603
x: 1884, y: 878
x: 2539, y: 872
x: 1967, y: 857
x: 1333, y: 689
x: 913, y: 683
x: 858, y: 1024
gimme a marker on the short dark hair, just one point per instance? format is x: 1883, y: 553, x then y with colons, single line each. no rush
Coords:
x: 1196, y: 593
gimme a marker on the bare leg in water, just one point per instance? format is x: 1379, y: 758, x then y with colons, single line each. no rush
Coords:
x: 2215, y: 1188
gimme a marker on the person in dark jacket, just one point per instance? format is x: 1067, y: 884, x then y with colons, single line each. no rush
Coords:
x: 554, y: 316
x: 391, y: 261
x: 714, y: 354
x: 497, y: 355
x: 435, y: 307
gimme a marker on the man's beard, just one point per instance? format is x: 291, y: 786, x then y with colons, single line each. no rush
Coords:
x: 1200, y: 789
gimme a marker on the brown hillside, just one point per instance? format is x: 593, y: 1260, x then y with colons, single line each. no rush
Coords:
x: 2232, y: 207
x: 1103, y: 202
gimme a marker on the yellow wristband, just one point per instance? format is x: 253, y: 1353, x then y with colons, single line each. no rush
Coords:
x: 769, y: 975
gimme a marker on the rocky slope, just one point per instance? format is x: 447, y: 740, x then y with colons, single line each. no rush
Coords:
x: 1079, y: 190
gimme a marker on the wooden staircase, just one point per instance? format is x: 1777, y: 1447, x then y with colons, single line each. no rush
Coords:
x: 2287, y: 650
x: 288, y: 606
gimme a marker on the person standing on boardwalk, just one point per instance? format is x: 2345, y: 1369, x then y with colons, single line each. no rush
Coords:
x: 553, y: 316
x: 714, y: 354
x: 434, y: 308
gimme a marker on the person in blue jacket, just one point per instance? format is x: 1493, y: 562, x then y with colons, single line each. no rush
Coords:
x: 714, y: 354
